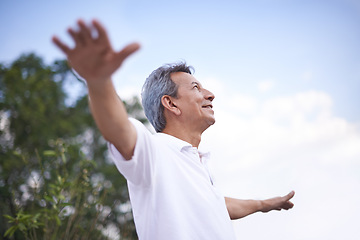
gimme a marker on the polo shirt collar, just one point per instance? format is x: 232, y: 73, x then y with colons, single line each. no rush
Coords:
x: 181, y: 145
x: 174, y: 141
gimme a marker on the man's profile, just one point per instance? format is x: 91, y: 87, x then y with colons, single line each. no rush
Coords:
x: 171, y: 190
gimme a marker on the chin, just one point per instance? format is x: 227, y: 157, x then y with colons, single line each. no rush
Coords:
x: 208, y: 123
x: 211, y: 122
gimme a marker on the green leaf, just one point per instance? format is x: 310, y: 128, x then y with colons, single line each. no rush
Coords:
x: 9, y: 217
x: 11, y: 231
x: 63, y: 158
x: 65, y: 204
x: 22, y: 227
x: 37, y: 216
x: 50, y: 153
x: 61, y: 197
x: 49, y: 199
x: 58, y: 221
x: 23, y: 217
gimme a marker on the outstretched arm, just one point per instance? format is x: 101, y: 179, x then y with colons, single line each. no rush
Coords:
x: 94, y: 59
x: 238, y: 208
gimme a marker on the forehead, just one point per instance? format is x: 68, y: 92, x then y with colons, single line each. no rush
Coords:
x: 183, y: 79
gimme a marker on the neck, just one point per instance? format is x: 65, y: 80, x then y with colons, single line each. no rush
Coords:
x: 187, y: 135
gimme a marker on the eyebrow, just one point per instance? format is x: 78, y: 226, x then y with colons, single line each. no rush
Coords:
x: 197, y: 83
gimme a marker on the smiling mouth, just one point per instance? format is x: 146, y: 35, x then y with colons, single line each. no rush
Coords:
x: 208, y: 106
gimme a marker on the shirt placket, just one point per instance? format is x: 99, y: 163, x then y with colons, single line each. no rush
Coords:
x: 199, y: 159
x: 204, y: 164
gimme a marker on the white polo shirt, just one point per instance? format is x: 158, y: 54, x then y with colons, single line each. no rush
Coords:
x: 171, y: 191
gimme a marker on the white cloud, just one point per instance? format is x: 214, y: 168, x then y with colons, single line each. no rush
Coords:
x: 244, y: 104
x: 305, y: 105
x: 284, y: 143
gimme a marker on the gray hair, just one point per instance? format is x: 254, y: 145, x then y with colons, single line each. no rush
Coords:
x: 158, y: 84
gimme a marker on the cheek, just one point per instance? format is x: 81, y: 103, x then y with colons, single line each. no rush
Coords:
x: 191, y: 104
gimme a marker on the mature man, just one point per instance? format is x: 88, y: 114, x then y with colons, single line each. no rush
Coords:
x: 171, y: 190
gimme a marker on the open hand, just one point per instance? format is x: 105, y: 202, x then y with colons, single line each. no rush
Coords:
x: 93, y: 57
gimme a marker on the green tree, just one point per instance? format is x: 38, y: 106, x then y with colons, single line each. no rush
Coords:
x: 55, y: 177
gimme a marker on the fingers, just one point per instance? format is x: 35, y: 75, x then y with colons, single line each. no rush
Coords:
x: 287, y: 205
x: 102, y: 35
x: 127, y: 51
x: 86, y: 41
x: 60, y: 45
x: 84, y: 32
x: 82, y: 37
x: 76, y: 37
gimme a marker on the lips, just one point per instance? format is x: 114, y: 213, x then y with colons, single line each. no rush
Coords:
x: 208, y: 106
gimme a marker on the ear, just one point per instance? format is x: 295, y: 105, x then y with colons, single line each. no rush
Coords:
x: 169, y: 104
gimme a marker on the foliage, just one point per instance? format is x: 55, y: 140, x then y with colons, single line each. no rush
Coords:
x: 66, y: 204
x: 49, y: 187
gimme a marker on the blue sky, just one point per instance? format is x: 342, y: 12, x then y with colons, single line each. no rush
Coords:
x: 299, y: 44
x: 286, y: 75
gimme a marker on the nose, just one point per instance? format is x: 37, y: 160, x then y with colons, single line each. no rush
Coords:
x: 209, y: 95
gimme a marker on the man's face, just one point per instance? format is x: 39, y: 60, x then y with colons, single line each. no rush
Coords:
x: 194, y: 101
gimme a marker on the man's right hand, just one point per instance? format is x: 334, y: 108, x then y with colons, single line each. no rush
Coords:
x: 93, y: 57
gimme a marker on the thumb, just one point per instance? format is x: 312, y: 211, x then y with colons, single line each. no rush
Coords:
x: 289, y: 195
x: 127, y: 51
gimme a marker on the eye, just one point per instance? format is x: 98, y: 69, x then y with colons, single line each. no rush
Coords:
x: 196, y: 86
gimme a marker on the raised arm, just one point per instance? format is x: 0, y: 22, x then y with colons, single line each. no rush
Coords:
x: 238, y: 208
x: 94, y: 60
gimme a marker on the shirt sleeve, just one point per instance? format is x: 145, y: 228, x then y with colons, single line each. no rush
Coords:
x: 138, y: 170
